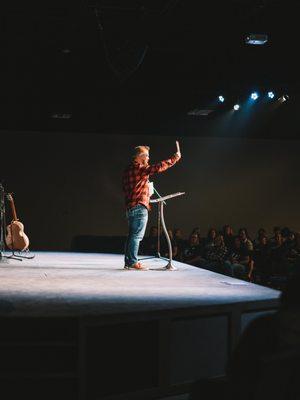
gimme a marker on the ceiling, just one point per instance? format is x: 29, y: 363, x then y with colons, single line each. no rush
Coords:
x: 137, y: 66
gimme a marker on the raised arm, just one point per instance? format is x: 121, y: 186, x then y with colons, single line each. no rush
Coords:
x: 160, y: 166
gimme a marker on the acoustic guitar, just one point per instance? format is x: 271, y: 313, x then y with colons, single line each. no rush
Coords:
x: 16, y: 238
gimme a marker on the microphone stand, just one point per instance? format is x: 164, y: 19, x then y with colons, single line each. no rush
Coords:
x: 158, y: 224
x: 157, y: 254
x: 161, y: 202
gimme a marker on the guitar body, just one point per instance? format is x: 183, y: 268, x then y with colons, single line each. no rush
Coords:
x: 16, y: 239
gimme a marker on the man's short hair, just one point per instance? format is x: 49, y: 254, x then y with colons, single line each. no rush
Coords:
x: 140, y: 150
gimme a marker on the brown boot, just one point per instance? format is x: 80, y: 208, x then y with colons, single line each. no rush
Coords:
x: 138, y: 266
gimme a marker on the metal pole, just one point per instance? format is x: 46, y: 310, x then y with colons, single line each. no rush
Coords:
x: 169, y: 266
x: 158, y: 232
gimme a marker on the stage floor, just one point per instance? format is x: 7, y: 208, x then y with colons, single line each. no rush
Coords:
x: 97, y: 284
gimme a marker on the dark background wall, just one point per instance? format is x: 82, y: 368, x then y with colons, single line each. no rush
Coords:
x: 69, y: 184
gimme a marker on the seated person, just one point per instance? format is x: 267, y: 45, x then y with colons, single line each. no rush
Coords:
x: 238, y: 263
x: 245, y: 240
x: 210, y: 239
x: 279, y: 256
x: 294, y: 247
x: 228, y: 236
x: 276, y: 230
x: 261, y: 233
x: 180, y: 243
x: 262, y: 259
x: 192, y: 253
x: 215, y: 255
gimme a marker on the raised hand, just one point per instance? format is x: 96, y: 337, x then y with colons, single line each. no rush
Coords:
x: 178, y: 153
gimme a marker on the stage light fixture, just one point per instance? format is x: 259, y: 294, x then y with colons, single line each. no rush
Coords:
x: 61, y: 115
x: 256, y: 39
x: 236, y: 107
x: 283, y: 98
x: 198, y: 112
x: 254, y: 95
x: 221, y: 99
x: 271, y: 95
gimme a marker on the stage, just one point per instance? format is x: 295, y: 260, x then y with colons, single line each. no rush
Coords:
x: 97, y: 284
x: 177, y: 326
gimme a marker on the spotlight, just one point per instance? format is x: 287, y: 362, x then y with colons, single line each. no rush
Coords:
x: 254, y: 38
x: 221, y: 99
x: 254, y: 96
x: 271, y: 95
x: 236, y: 107
x: 283, y: 98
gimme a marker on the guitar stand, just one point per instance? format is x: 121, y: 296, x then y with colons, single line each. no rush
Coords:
x: 19, y: 256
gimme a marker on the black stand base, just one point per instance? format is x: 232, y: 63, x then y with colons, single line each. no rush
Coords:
x: 19, y: 256
x: 168, y: 267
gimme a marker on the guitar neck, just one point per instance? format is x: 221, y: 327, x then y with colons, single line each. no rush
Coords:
x: 13, y: 209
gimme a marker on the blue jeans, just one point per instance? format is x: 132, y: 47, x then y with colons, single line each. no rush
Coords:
x: 137, y: 221
x: 236, y: 270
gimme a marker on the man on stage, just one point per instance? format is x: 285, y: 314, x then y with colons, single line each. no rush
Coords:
x: 137, y: 190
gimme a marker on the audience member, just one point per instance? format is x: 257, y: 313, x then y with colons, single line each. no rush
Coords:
x: 279, y: 259
x: 238, y: 264
x: 180, y: 243
x: 245, y: 240
x: 262, y: 259
x: 215, y: 255
x: 276, y: 230
x: 193, y: 251
x: 261, y: 233
x: 265, y: 261
x: 228, y: 236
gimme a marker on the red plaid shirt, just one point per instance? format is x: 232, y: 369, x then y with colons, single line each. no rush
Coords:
x: 136, y: 181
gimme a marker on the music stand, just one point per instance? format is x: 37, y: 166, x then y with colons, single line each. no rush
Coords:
x: 161, y: 201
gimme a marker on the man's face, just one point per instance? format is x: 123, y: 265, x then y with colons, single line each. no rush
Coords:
x: 194, y: 239
x: 291, y: 236
x: 213, y: 234
x: 263, y: 240
x: 243, y: 235
x: 143, y: 158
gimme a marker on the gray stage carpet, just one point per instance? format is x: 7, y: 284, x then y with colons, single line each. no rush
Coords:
x: 97, y: 284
